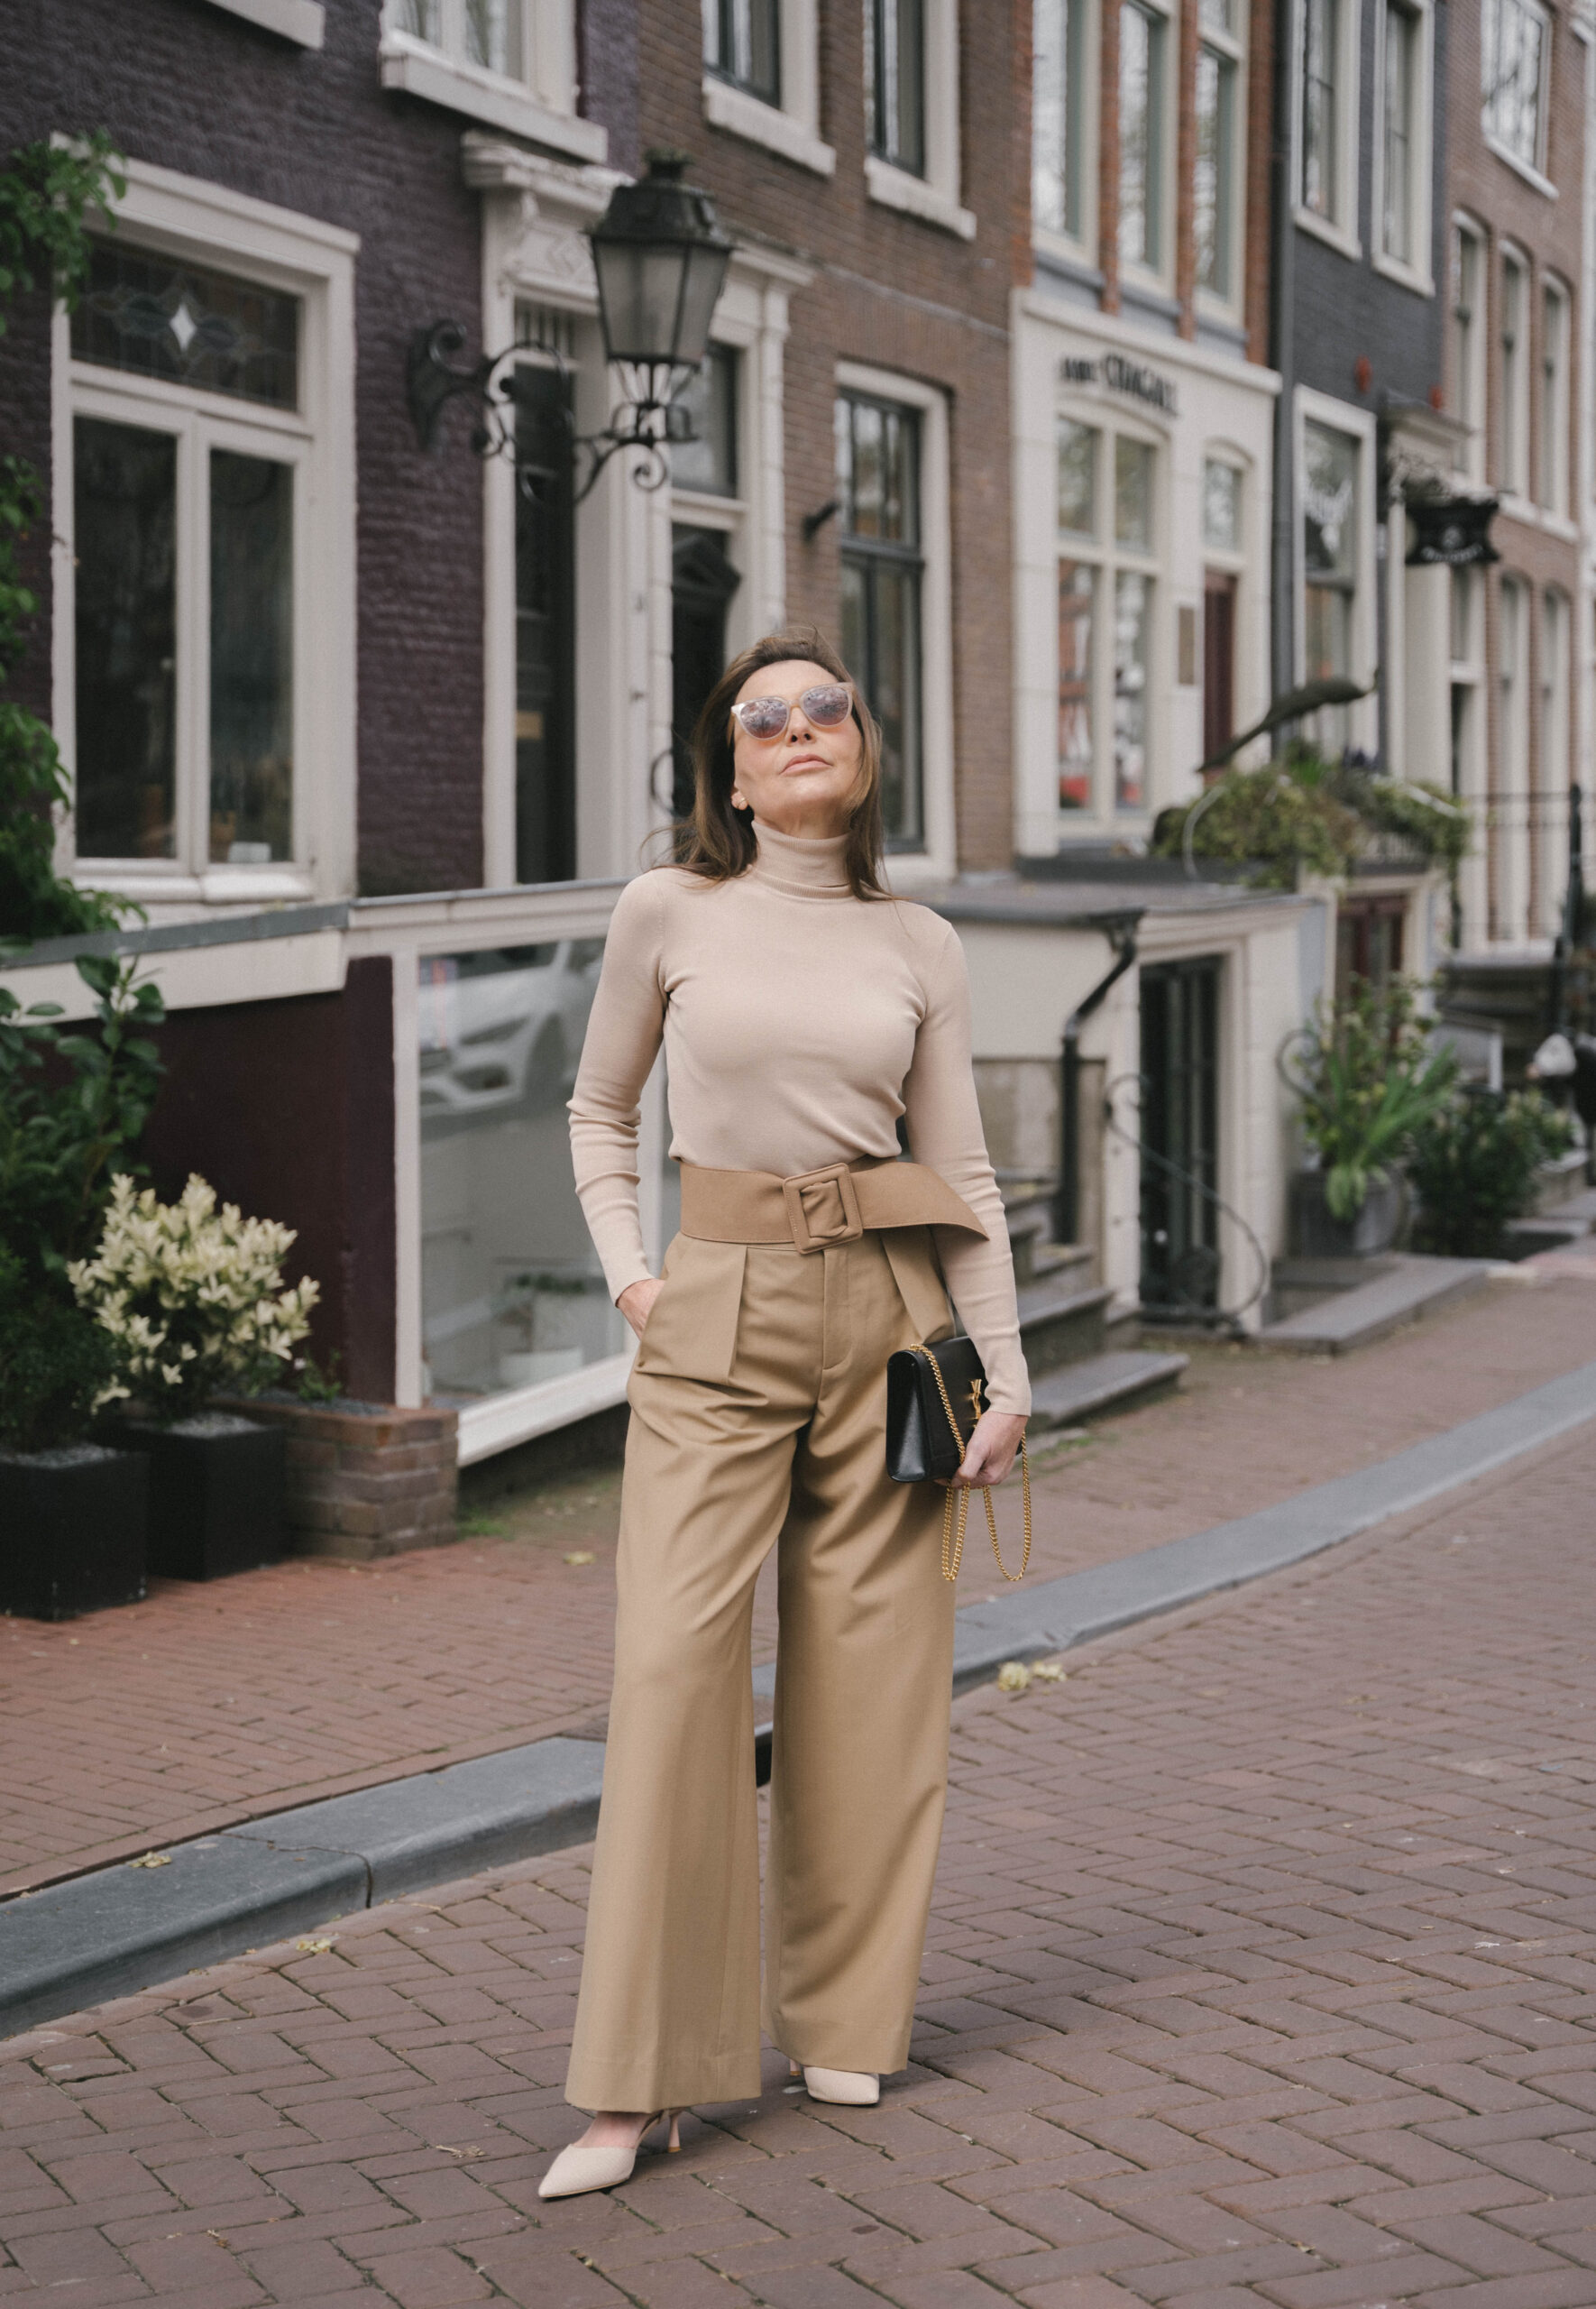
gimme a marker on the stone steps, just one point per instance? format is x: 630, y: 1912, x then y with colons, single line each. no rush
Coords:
x: 1102, y: 1382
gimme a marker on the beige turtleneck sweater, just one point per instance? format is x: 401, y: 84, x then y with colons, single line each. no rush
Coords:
x: 799, y: 1023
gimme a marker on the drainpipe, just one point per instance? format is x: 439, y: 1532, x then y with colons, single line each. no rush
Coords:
x: 1283, y: 353
x: 1066, y: 1212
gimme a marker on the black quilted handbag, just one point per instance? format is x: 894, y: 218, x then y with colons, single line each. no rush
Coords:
x: 934, y: 1396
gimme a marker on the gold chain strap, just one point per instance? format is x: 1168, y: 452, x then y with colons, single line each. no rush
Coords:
x: 952, y: 1558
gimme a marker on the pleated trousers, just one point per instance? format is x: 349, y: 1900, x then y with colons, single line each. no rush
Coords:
x: 758, y: 1421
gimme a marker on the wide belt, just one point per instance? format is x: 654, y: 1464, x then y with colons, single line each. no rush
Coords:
x: 816, y: 1209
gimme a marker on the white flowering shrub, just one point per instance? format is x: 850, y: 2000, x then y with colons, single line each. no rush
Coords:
x: 192, y: 1296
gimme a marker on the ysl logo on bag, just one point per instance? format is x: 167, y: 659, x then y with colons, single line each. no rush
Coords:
x: 975, y: 1401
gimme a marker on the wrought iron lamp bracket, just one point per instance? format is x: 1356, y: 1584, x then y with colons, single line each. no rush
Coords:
x: 650, y: 421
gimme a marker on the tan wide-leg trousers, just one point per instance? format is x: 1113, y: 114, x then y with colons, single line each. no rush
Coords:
x: 758, y: 1404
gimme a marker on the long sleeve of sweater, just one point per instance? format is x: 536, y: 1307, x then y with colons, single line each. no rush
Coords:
x: 799, y: 1024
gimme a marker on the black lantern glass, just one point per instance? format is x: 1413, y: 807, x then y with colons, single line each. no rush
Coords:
x: 661, y: 259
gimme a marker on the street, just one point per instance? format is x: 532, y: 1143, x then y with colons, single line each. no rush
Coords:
x: 1259, y: 1973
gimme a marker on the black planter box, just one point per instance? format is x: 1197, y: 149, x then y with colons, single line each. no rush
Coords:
x: 216, y: 1494
x: 71, y: 1531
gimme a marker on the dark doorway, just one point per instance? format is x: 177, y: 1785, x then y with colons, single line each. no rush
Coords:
x: 1368, y: 942
x: 1219, y: 660
x: 702, y: 581
x: 1181, y: 1138
x: 545, y: 629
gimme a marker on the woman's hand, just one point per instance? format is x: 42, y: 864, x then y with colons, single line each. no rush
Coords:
x: 991, y: 1450
x: 636, y: 1300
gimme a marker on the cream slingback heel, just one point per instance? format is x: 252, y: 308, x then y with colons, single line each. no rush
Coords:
x: 846, y: 2088
x: 576, y: 2170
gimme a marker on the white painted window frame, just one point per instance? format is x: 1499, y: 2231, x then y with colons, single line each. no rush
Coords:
x: 1515, y: 442
x: 1512, y: 782
x: 1414, y: 272
x: 913, y: 869
x: 934, y: 197
x: 792, y: 126
x: 1340, y: 230
x: 1532, y: 171
x: 1160, y: 276
x: 1341, y: 417
x: 1101, y: 552
x: 304, y: 22
x: 1555, y: 765
x: 1469, y: 672
x: 1553, y: 477
x: 1082, y: 248
x: 1232, y: 46
x: 1469, y: 365
x: 540, y: 105
x: 188, y: 217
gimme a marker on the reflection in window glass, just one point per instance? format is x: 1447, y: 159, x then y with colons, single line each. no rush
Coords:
x: 895, y: 82
x: 252, y: 659
x: 1221, y: 505
x: 1141, y: 132
x: 1320, y: 141
x: 1076, y: 596
x: 709, y: 462
x: 1512, y: 59
x: 742, y: 44
x: 1401, y: 62
x: 1133, y: 597
x: 1132, y: 494
x: 878, y: 488
x: 1213, y: 171
x: 124, y: 498
x: 512, y: 1291
x: 1057, y: 128
x: 1078, y: 479
x: 1329, y: 558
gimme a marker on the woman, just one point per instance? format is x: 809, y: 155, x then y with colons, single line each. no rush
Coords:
x: 803, y: 1010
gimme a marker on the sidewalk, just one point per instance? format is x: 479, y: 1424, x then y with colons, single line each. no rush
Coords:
x: 1260, y: 1973
x: 211, y: 1705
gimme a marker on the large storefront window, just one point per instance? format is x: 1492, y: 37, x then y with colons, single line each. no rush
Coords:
x: 512, y: 1291
x: 1329, y: 564
x: 1108, y: 526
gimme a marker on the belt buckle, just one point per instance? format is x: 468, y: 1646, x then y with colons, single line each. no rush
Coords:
x: 831, y: 1174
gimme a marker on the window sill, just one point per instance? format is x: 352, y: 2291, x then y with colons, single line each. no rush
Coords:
x: 302, y: 21
x: 1405, y: 276
x: 1522, y: 168
x: 160, y: 882
x: 1335, y: 236
x: 741, y: 115
x: 894, y: 187
x: 421, y: 71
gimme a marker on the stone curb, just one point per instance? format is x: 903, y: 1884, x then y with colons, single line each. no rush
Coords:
x: 125, y: 1928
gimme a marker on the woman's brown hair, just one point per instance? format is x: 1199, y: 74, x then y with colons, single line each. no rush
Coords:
x: 719, y: 842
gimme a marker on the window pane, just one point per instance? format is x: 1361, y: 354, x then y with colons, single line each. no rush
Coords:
x: 1321, y: 125
x: 894, y: 697
x: 1055, y: 122
x: 125, y: 519
x: 189, y: 325
x: 1140, y: 127
x: 1216, y: 16
x: 1077, y: 593
x: 709, y: 462
x: 742, y: 43
x: 1397, y: 225
x: 1515, y: 405
x: 1078, y: 479
x: 1513, y: 32
x: 1214, y: 172
x: 252, y: 659
x: 1221, y: 505
x: 488, y: 36
x: 1132, y: 494
x: 546, y: 677
x: 511, y: 1289
x: 877, y: 470
x: 420, y: 18
x: 1328, y: 511
x: 895, y: 72
x: 1133, y: 597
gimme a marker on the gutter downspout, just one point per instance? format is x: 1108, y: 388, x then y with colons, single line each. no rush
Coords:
x: 1283, y: 355
x: 1067, y: 1213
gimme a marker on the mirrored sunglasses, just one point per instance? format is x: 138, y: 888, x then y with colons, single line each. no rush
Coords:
x: 827, y: 706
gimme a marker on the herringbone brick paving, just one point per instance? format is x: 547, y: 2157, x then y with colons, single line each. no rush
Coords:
x: 1261, y: 1971
x: 209, y: 1704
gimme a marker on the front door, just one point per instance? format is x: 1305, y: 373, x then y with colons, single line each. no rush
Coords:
x: 545, y: 629
x: 702, y: 581
x: 1181, y: 1138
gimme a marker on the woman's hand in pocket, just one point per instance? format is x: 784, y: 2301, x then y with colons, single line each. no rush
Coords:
x: 637, y: 1301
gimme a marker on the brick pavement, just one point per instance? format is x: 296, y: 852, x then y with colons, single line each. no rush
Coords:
x: 208, y: 1705
x: 1261, y: 1973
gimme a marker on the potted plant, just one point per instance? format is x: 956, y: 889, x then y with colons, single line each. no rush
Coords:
x: 542, y: 1312
x: 1367, y: 1078
x: 192, y: 1300
x: 1475, y: 1163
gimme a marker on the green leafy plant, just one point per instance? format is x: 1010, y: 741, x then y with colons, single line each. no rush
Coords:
x: 192, y: 1297
x: 47, y: 192
x: 1303, y: 811
x: 316, y: 1383
x: 1474, y: 1164
x: 1368, y: 1081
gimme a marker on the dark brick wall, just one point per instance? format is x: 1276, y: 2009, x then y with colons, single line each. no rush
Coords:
x: 900, y: 294
x: 189, y: 86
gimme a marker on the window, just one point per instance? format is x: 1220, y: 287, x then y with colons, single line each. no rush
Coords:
x: 1515, y: 377
x: 1515, y: 48
x: 1555, y: 770
x: 883, y: 568
x: 511, y: 63
x: 1554, y: 408
x: 1060, y: 161
x: 1142, y: 31
x: 1222, y: 552
x: 1214, y: 203
x: 1330, y: 565
x: 1404, y: 140
x: 710, y: 462
x: 1510, y: 880
x: 895, y: 82
x: 189, y: 455
x: 1468, y: 345
x: 546, y: 632
x: 742, y: 44
x: 705, y: 578
x: 1323, y: 129
x: 1108, y: 524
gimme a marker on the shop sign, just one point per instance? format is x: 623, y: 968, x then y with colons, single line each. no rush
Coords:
x: 1451, y: 532
x: 1134, y: 379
